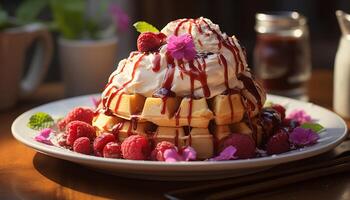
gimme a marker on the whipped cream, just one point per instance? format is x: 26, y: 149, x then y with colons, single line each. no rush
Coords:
x: 136, y: 75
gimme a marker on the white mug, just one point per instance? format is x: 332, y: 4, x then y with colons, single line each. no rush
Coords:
x: 14, y: 44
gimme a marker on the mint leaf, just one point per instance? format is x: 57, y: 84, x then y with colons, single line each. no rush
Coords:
x: 313, y: 126
x: 142, y: 26
x: 40, y: 120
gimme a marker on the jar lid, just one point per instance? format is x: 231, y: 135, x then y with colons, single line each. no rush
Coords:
x: 274, y: 21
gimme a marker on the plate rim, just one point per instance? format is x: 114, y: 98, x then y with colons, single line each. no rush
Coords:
x: 185, y: 166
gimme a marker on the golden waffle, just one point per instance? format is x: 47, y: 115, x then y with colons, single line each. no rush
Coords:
x: 190, y: 112
x: 175, y: 135
x: 202, y: 141
x: 172, y: 115
x: 127, y: 105
x: 227, y: 109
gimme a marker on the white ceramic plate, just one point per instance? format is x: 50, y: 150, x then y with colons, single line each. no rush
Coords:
x: 335, y: 132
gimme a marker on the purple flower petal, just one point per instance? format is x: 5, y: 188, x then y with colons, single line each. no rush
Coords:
x: 44, y: 136
x: 181, y: 47
x: 171, y: 155
x: 120, y: 17
x: 227, y: 154
x: 303, y: 137
x: 96, y: 101
x: 189, y: 154
x: 299, y: 115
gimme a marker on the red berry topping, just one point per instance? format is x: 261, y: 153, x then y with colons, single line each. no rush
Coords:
x: 278, y: 143
x: 101, y: 141
x: 77, y: 129
x: 149, y: 41
x: 136, y: 147
x: 77, y: 114
x: 157, y: 153
x: 244, y: 144
x: 280, y: 109
x: 112, y: 150
x: 82, y: 145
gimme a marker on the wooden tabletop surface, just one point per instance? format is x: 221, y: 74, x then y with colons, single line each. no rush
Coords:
x: 26, y: 174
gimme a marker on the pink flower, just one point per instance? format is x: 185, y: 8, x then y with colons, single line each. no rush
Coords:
x: 227, y: 154
x: 44, y: 136
x: 303, y: 137
x: 181, y: 47
x: 96, y: 101
x: 171, y: 155
x: 120, y: 17
x: 299, y: 115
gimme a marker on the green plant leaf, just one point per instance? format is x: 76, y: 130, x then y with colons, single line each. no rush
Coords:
x: 68, y: 17
x: 29, y: 10
x: 40, y: 120
x: 317, y: 128
x: 3, y: 18
x: 142, y: 26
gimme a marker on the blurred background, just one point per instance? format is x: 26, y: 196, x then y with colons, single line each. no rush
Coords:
x: 234, y: 17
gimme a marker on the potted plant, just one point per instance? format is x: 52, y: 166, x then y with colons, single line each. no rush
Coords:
x: 21, y: 36
x: 87, y: 43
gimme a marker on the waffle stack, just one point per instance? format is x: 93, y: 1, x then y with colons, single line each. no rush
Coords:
x: 194, y: 102
x: 200, y: 123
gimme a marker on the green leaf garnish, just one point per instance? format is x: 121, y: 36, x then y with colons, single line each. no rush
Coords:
x: 40, y: 120
x: 142, y: 26
x: 317, y: 128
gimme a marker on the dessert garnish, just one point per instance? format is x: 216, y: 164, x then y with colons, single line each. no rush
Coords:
x: 186, y: 94
x: 227, y: 154
x: 181, y: 47
x: 299, y: 115
x: 301, y: 137
x: 40, y: 120
x: 185, y: 154
x: 44, y: 136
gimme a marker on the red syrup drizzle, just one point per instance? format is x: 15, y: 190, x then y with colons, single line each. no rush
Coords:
x: 176, y: 32
x: 224, y: 62
x: 250, y: 86
x: 132, y: 54
x: 177, y: 116
x: 226, y: 43
x: 156, y: 62
x: 116, y: 128
x: 200, y: 43
x: 177, y: 138
x: 106, y: 101
x: 165, y: 91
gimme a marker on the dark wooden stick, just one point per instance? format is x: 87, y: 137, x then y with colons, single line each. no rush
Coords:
x: 194, y: 191
x: 279, y: 182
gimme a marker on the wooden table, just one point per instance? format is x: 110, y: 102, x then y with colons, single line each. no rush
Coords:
x: 26, y: 174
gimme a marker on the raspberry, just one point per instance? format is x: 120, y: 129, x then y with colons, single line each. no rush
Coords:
x: 157, y: 153
x: 77, y: 114
x: 278, y: 143
x: 136, y: 147
x: 149, y: 41
x: 101, y: 141
x: 244, y: 144
x: 77, y: 129
x: 112, y: 150
x: 82, y: 145
x: 280, y: 109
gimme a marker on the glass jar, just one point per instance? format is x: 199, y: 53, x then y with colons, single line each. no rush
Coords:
x: 282, y: 53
